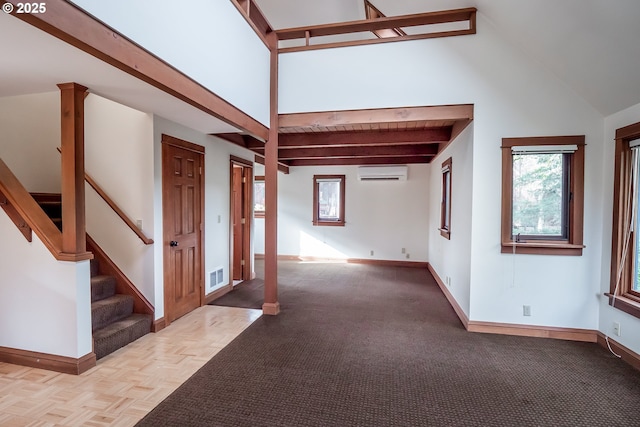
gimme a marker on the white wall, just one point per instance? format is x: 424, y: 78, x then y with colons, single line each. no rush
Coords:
x: 452, y: 258
x: 629, y: 325
x: 119, y: 157
x: 208, y: 41
x: 30, y: 134
x: 383, y: 217
x: 513, y: 97
x: 217, y: 201
x: 45, y: 304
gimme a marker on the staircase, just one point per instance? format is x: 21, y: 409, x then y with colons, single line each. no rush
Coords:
x: 113, y: 322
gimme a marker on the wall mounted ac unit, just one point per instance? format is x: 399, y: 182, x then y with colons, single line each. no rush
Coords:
x: 382, y: 173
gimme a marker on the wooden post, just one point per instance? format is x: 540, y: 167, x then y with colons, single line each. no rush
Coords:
x: 271, y: 305
x: 74, y: 242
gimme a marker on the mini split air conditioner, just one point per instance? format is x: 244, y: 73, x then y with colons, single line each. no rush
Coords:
x: 382, y: 173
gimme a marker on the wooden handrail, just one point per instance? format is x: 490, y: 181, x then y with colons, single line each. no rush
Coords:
x: 31, y: 213
x: 109, y: 201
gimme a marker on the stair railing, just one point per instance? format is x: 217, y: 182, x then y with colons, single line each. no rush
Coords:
x: 25, y: 212
x: 109, y: 201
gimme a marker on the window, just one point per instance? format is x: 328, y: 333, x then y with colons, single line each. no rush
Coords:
x: 542, y: 195
x: 258, y: 197
x: 328, y: 200
x: 445, y: 206
x: 625, y: 256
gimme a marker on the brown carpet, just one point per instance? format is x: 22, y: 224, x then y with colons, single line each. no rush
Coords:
x: 360, y: 345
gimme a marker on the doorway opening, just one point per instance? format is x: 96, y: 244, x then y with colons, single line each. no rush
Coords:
x: 240, y: 219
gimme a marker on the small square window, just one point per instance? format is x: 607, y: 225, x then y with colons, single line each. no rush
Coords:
x: 328, y: 200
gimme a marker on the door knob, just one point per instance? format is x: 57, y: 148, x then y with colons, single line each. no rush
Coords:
x: 173, y: 243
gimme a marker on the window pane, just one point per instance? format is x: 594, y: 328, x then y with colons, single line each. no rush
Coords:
x: 538, y: 194
x: 258, y: 196
x: 329, y: 200
x: 447, y: 199
x: 635, y: 285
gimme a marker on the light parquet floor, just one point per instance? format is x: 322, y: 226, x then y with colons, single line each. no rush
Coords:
x: 125, y: 385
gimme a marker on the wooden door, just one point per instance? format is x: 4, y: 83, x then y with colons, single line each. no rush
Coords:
x: 238, y: 222
x: 182, y: 212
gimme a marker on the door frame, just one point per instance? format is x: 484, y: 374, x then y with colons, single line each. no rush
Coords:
x: 247, y: 193
x: 166, y: 141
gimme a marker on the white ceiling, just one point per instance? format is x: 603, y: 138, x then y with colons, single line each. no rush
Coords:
x: 593, y: 45
x: 32, y: 61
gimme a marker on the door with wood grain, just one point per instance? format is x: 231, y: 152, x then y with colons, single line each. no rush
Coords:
x: 182, y: 207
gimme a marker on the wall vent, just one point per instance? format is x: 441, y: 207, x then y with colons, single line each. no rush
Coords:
x: 216, y: 277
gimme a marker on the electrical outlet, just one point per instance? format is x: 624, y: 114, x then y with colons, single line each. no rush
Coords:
x: 526, y: 310
x: 447, y: 281
x: 616, y: 328
x: 219, y: 219
x: 371, y: 253
x: 408, y: 256
x: 139, y: 224
x: 404, y: 250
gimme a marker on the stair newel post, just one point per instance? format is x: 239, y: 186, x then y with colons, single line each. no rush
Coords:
x: 72, y: 146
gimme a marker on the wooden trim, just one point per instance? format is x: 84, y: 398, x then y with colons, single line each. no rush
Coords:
x: 364, y: 138
x: 445, y: 204
x: 449, y: 296
x: 15, y: 217
x: 342, y: 161
x: 317, y: 221
x: 72, y: 178
x: 34, y: 216
x: 218, y: 293
x: 573, y: 245
x: 358, y: 152
x: 50, y: 362
x: 372, y: 12
x: 109, y: 201
x: 456, y: 130
x: 158, y: 325
x: 378, y: 115
x: 629, y: 356
x: 75, y: 27
x: 256, y: 179
x: 627, y: 303
x: 181, y: 143
x: 123, y: 284
x: 260, y: 159
x: 568, y: 334
x: 271, y: 309
x: 240, y: 161
x: 254, y: 17
x: 631, y: 131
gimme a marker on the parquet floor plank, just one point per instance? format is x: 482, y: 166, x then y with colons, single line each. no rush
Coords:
x: 127, y: 384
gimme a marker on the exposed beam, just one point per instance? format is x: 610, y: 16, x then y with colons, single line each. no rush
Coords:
x: 282, y: 167
x: 430, y: 18
x: 351, y: 152
x: 332, y: 139
x: 254, y: 16
x: 73, y: 26
x: 362, y: 161
x: 372, y: 12
x: 382, y: 115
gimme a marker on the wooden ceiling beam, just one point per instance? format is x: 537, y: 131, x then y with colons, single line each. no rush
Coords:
x: 430, y: 18
x: 364, y: 138
x: 282, y: 167
x: 354, y: 152
x: 362, y: 161
x: 382, y: 115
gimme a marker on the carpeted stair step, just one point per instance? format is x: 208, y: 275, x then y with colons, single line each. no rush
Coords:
x: 109, y: 310
x: 102, y: 287
x: 120, y: 333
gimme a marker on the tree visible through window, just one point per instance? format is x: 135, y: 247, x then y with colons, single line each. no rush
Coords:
x: 258, y: 197
x: 542, y: 195
x: 328, y: 199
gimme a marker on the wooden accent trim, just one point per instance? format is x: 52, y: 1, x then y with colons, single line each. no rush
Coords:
x: 568, y: 334
x: 177, y: 142
x: 366, y: 138
x: 75, y: 27
x: 631, y: 131
x: 50, y: 362
x: 240, y: 161
x: 456, y: 130
x: 123, y: 284
x: 109, y: 201
x: 358, y: 152
x: 254, y: 17
x: 339, y: 161
x: 626, y: 302
x: 218, y: 293
x: 34, y: 216
x: 629, y: 356
x: 158, y: 325
x: 573, y: 246
x: 72, y: 142
x: 281, y: 166
x: 449, y: 296
x: 382, y: 23
x: 445, y: 204
x: 271, y: 309
x: 316, y: 201
x: 372, y: 12
x: 379, y: 115
x: 15, y: 217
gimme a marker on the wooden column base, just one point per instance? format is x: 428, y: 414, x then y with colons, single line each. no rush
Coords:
x: 271, y: 309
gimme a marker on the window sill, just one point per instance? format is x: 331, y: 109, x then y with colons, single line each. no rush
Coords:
x: 626, y: 303
x: 329, y: 223
x: 258, y: 215
x: 445, y: 233
x: 542, y: 247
